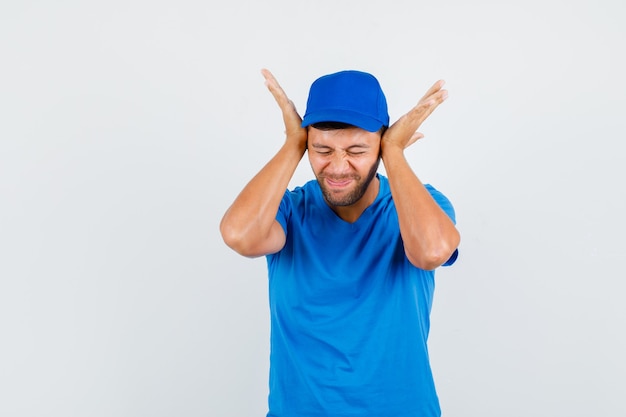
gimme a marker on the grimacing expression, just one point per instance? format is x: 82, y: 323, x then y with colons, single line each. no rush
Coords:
x: 344, y: 161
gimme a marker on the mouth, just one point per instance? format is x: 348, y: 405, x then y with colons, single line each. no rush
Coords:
x: 341, y: 183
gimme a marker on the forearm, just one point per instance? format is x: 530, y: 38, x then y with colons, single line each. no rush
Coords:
x: 428, y: 234
x: 247, y: 224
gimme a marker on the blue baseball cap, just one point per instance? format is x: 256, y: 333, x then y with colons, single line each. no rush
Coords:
x: 351, y: 97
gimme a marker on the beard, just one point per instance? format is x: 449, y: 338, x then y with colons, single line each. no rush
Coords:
x: 352, y: 196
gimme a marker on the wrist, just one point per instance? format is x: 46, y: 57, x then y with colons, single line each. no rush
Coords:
x: 391, y: 150
x: 295, y: 145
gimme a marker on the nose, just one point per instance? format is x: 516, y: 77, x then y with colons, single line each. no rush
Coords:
x: 339, y: 164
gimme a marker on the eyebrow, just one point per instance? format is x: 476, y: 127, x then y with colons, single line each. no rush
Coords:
x: 356, y: 145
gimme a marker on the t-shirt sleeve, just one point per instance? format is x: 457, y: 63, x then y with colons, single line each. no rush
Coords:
x: 284, y: 211
x: 447, y: 207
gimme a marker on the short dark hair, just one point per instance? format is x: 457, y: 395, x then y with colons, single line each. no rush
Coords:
x: 331, y: 125
x: 339, y: 126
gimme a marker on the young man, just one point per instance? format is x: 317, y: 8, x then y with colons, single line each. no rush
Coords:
x: 351, y: 255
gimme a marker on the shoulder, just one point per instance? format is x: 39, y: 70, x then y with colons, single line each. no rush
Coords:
x: 302, y: 193
x: 300, y: 197
x: 441, y: 200
x: 384, y: 191
x: 435, y: 192
x: 306, y: 188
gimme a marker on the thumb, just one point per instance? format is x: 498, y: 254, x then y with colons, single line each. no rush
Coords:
x: 416, y: 136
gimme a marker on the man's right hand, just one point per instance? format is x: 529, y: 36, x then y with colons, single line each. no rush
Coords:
x: 249, y: 226
x: 293, y: 122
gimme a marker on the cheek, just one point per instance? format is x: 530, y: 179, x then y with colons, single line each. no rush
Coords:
x: 316, y: 163
x: 364, y: 164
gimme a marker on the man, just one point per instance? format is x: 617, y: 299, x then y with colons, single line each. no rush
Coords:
x: 351, y: 255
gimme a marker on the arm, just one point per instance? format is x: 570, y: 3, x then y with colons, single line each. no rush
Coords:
x: 428, y: 234
x: 249, y: 226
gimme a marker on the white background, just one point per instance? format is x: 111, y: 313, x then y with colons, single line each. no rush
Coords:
x: 128, y: 127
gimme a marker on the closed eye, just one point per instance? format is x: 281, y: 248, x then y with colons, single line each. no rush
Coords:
x: 321, y: 150
x: 357, y: 150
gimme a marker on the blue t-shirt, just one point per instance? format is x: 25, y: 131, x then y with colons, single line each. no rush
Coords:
x: 349, y: 313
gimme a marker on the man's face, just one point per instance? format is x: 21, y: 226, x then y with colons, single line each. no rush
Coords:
x: 344, y: 162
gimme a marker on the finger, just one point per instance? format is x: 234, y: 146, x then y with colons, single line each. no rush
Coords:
x: 437, y: 86
x: 287, y: 106
x: 291, y: 118
x: 272, y: 85
x: 408, y: 124
x: 416, y: 136
x: 425, y: 107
